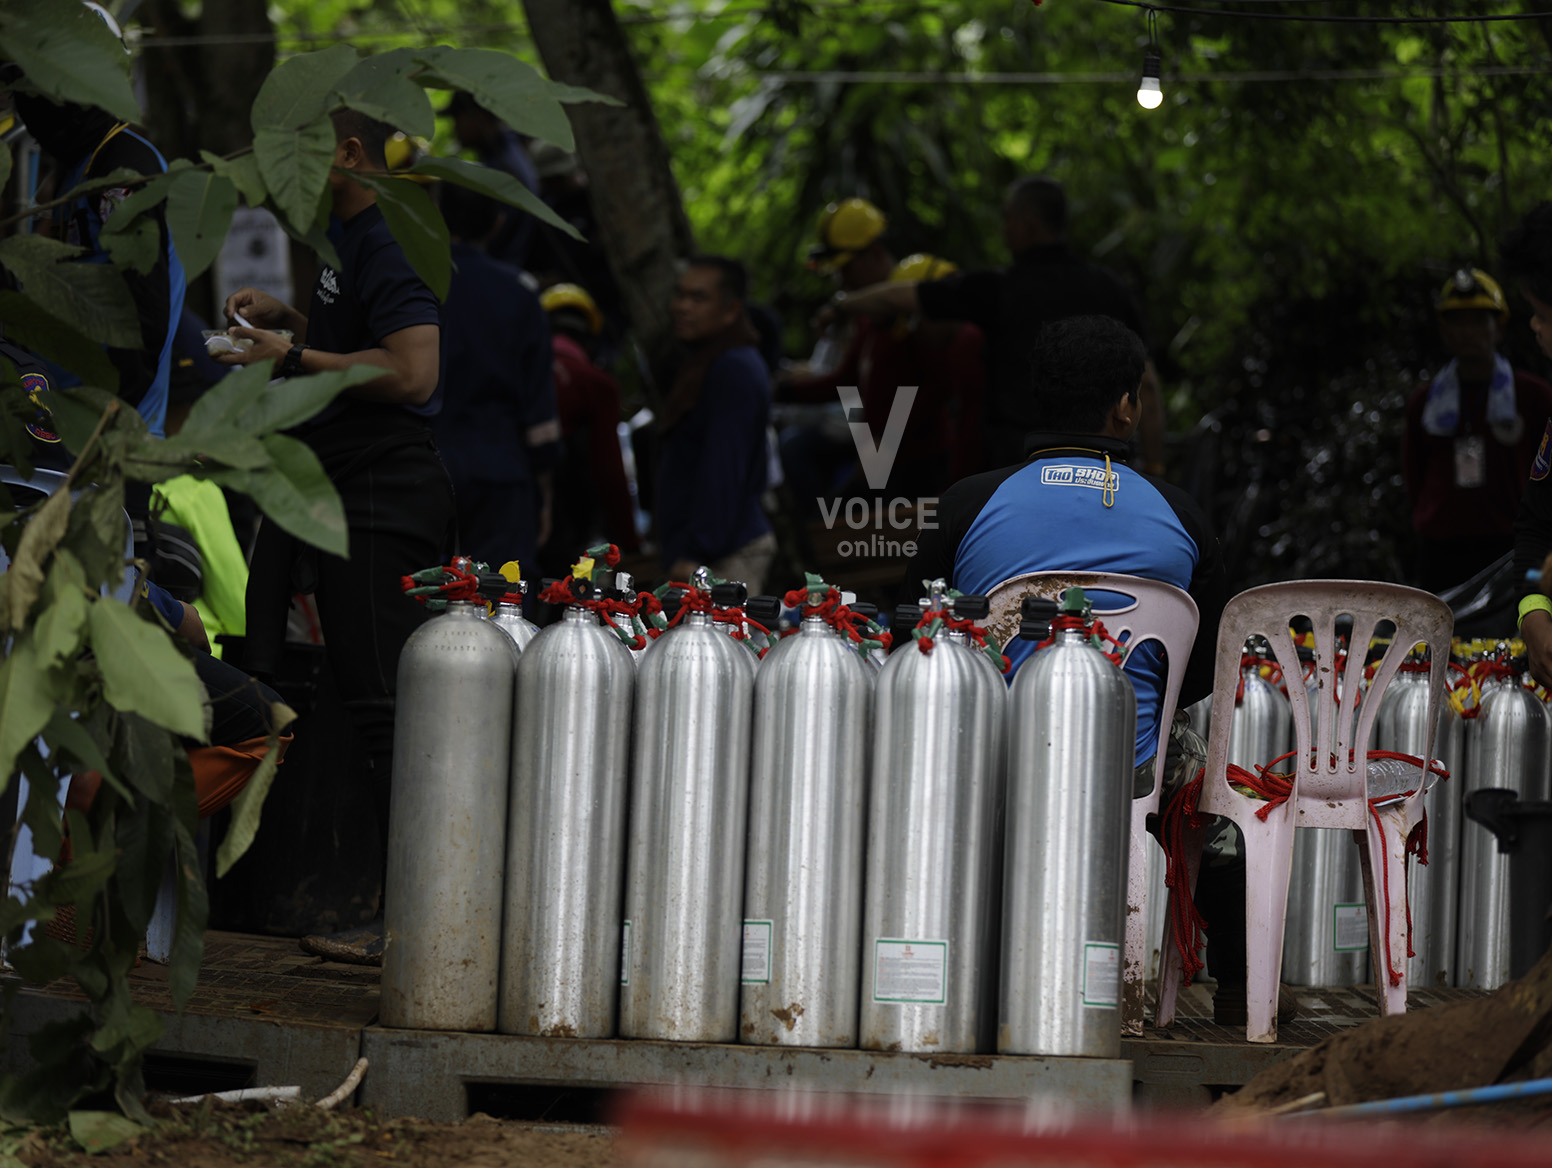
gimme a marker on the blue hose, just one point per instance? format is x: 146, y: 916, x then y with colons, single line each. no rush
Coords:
x: 1443, y: 1099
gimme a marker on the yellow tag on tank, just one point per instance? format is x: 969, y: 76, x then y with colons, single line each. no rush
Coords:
x: 511, y: 573
x: 583, y: 568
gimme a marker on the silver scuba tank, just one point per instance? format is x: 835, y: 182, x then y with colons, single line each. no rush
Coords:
x: 1072, y: 718
x: 509, y: 618
x: 1262, y: 729
x: 1326, y: 931
x: 447, y: 824
x: 560, y: 955
x: 684, y: 876
x: 1507, y: 746
x: 802, y: 929
x: 1432, y: 889
x: 933, y: 857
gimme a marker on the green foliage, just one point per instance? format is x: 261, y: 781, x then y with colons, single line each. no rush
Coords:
x: 89, y: 681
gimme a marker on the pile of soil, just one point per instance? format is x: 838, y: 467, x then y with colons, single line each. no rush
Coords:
x: 1503, y: 1038
x: 224, y: 1135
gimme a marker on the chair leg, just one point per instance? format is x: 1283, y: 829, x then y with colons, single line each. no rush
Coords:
x: 1268, y: 863
x: 1135, y: 958
x: 1382, y: 848
x: 1170, y: 968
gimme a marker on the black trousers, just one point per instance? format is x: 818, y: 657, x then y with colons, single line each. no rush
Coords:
x: 399, y: 508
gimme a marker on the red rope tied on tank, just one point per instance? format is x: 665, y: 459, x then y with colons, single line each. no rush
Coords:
x: 564, y: 592
x: 829, y: 608
x: 1252, y: 661
x: 693, y: 599
x: 942, y: 618
x: 442, y: 583
x: 1095, y: 628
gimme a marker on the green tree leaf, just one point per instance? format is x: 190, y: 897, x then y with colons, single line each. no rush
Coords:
x: 143, y: 673
x: 134, y: 1026
x: 497, y: 184
x: 418, y: 226
x: 253, y: 405
x: 67, y: 52
x: 52, y: 339
x: 295, y: 167
x: 80, y: 879
x: 24, y: 578
x: 188, y: 938
x: 97, y: 1131
x: 300, y: 90
x: 5, y: 164
x: 76, y: 742
x: 88, y: 297
x: 199, y: 214
x: 380, y: 87
x: 295, y: 493
x: 143, y: 838
x: 25, y: 703
x: 242, y: 172
x: 510, y: 88
x: 143, y: 755
x: 249, y: 804
x: 136, y: 247
x: 61, y: 625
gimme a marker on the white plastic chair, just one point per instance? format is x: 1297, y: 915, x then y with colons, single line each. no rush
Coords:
x: 1330, y: 784
x: 1155, y: 612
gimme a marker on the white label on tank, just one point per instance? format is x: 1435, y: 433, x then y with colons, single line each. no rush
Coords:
x: 910, y: 971
x: 1101, y: 974
x: 1349, y: 928
x: 757, y: 952
x: 625, y: 955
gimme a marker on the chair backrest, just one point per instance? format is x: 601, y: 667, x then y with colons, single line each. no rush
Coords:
x: 25, y: 492
x: 1150, y: 610
x: 1331, y: 738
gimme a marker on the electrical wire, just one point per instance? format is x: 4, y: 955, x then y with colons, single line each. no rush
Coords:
x: 1485, y: 18
x: 925, y: 78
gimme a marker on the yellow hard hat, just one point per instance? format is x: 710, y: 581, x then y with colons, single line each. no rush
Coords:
x: 1472, y: 288
x: 402, y: 152
x: 922, y: 266
x: 845, y: 228
x: 558, y: 296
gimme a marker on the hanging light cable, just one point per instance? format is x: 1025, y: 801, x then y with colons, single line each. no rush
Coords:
x: 1149, y: 94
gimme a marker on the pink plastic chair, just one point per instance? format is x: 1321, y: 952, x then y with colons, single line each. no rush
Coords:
x: 1331, y: 774
x: 1156, y: 612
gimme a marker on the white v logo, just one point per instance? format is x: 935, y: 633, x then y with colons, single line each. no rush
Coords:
x: 877, y: 461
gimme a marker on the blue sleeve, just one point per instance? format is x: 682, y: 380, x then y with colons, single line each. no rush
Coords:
x: 737, y: 409
x: 170, y: 610
x: 394, y: 296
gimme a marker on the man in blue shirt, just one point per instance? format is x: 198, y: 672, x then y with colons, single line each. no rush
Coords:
x: 376, y: 445
x: 712, y: 425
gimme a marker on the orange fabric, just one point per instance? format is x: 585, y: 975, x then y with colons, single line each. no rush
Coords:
x: 221, y: 772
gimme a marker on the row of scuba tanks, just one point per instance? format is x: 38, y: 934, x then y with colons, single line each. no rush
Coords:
x: 1496, y: 731
x: 684, y: 841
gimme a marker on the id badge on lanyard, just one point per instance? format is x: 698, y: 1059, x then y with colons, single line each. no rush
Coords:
x: 1470, y: 461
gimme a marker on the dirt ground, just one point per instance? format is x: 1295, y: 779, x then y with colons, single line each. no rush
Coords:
x: 225, y: 1135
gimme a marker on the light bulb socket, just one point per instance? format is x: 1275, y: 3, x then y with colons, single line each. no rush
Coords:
x: 1150, y: 94
x: 1152, y: 65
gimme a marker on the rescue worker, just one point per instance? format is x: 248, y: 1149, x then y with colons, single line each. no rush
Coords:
x: 940, y: 359
x: 376, y: 446
x: 592, y: 498
x: 1467, y: 448
x: 1075, y: 504
x: 1527, y: 260
x: 713, y: 461
x: 498, y: 430
x: 498, y: 145
x: 1047, y: 280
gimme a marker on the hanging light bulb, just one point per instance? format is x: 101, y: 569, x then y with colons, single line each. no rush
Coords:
x: 1149, y: 93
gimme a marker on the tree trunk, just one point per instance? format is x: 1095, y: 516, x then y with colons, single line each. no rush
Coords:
x: 635, y: 198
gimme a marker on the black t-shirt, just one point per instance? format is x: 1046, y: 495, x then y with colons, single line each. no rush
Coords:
x: 1044, y: 283
x: 374, y: 294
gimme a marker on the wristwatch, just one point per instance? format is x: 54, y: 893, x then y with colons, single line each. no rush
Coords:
x: 291, y: 363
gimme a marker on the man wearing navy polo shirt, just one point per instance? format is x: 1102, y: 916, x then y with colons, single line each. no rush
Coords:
x: 375, y: 444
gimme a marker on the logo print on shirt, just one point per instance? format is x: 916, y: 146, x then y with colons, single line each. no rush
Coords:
x: 1063, y: 475
x: 42, y: 425
x: 1543, y: 464
x: 328, y: 286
